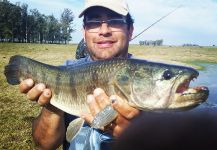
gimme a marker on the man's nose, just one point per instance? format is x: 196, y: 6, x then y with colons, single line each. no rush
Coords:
x: 104, y: 29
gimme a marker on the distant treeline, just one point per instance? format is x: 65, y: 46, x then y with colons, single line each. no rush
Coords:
x: 190, y: 45
x: 17, y: 24
x: 151, y: 43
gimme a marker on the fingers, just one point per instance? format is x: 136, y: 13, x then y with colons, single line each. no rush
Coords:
x: 101, y: 98
x: 45, y: 97
x: 96, y: 102
x: 34, y: 93
x: 122, y: 121
x: 126, y: 113
x: 92, y: 104
x: 118, y: 130
x: 26, y: 85
x: 110, y: 127
x: 87, y: 117
x: 117, y: 126
x: 37, y: 92
x: 123, y: 108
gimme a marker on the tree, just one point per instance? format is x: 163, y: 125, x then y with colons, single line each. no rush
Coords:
x: 24, y: 18
x: 66, y: 21
x: 42, y: 27
x: 2, y: 22
x: 9, y: 21
x: 53, y: 29
x: 159, y: 42
x: 17, y: 24
x: 30, y: 28
x: 150, y: 42
x: 37, y: 25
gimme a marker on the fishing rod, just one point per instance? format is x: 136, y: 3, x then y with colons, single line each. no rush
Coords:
x: 155, y: 22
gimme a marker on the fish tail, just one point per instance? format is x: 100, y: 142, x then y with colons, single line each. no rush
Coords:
x: 12, y: 70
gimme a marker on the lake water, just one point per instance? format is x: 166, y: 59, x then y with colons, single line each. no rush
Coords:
x: 208, y: 77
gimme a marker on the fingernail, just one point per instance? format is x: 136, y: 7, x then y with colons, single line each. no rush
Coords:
x: 97, y: 92
x: 40, y: 87
x: 39, y: 103
x: 29, y: 82
x: 113, y: 99
x: 46, y: 94
x: 90, y: 98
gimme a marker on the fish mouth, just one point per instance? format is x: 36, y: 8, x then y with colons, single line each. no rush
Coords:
x: 186, y: 96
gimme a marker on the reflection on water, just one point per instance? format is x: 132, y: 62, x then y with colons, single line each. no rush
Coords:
x: 208, y: 77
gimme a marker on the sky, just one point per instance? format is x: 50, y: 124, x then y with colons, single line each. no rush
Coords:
x: 194, y: 23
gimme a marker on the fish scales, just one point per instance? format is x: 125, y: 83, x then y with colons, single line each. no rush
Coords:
x: 70, y: 86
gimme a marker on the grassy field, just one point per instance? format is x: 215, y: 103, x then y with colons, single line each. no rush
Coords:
x: 190, y: 56
x: 17, y: 113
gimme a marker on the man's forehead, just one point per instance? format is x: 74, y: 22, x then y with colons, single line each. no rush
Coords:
x: 98, y: 12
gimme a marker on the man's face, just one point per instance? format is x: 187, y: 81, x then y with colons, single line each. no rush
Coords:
x: 106, y: 42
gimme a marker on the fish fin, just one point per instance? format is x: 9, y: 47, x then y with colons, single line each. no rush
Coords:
x: 61, y: 101
x: 73, y: 128
x: 104, y: 117
x: 12, y: 70
x: 122, y: 90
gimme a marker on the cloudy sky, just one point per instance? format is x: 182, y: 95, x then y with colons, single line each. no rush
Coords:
x: 194, y: 23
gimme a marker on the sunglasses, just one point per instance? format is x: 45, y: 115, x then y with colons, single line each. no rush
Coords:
x: 114, y: 25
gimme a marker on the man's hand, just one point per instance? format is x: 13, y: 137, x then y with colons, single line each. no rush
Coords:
x: 98, y: 100
x: 48, y: 128
x: 38, y: 92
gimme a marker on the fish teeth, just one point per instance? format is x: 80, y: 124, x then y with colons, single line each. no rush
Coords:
x: 190, y: 91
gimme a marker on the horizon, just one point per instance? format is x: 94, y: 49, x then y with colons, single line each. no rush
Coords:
x: 194, y: 23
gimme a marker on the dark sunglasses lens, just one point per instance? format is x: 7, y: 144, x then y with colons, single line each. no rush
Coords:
x: 116, y: 23
x: 92, y: 24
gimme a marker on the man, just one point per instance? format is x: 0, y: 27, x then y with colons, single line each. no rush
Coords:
x: 107, y: 30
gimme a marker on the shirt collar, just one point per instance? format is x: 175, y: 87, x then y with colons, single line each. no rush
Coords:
x: 88, y: 58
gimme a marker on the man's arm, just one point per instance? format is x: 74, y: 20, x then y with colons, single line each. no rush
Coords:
x: 48, y: 128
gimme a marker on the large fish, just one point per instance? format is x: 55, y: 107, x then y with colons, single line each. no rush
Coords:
x: 144, y: 85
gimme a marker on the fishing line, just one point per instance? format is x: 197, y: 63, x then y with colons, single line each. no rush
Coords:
x: 156, y: 22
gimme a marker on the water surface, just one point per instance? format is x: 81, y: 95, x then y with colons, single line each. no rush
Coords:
x: 208, y: 77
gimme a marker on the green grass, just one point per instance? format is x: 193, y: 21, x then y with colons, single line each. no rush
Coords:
x: 17, y: 113
x: 177, y: 55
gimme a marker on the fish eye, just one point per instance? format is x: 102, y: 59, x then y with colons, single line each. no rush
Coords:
x: 167, y: 75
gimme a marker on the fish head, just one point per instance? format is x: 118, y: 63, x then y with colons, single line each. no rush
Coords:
x: 159, y: 86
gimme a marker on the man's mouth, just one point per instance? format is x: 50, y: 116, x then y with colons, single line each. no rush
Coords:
x: 105, y: 44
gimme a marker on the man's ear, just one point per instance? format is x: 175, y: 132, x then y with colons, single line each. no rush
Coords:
x: 130, y: 34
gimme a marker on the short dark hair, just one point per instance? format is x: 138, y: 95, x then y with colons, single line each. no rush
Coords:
x: 129, y: 20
